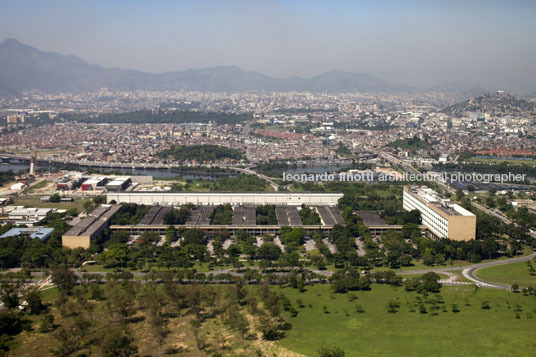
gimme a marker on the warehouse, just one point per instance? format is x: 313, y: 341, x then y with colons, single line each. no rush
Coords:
x: 119, y: 184
x: 94, y: 184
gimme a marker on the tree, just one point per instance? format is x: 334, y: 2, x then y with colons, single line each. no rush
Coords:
x: 120, y: 303
x: 10, y: 295
x: 117, y: 342
x: 270, y: 328
x: 430, y: 282
x: 392, y: 306
x: 64, y: 279
x: 115, y: 255
x: 334, y: 351
x: 269, y: 251
x: 158, y: 324
x: 33, y: 298
x: 54, y: 198
x: 171, y: 234
x: 515, y: 287
x: 47, y: 323
x: 237, y: 321
x: 98, y: 200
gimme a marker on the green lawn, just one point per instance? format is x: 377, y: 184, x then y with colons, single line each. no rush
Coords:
x: 509, y: 274
x: 34, y: 201
x: 376, y: 332
x: 49, y: 294
x: 38, y: 186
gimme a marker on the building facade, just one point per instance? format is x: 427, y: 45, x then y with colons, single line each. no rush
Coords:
x: 232, y: 198
x: 443, y: 218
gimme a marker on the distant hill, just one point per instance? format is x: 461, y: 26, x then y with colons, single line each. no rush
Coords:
x: 23, y: 67
x: 412, y: 144
x: 471, y: 80
x: 497, y: 104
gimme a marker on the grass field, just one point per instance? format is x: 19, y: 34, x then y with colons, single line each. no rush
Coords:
x: 49, y: 294
x: 376, y: 332
x: 38, y: 186
x: 34, y: 201
x: 516, y: 273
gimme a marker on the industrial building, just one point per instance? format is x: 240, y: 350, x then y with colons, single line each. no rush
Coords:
x: 69, y: 183
x: 232, y: 198
x: 118, y: 184
x: 94, y: 184
x: 81, y: 235
x: 19, y: 215
x: 443, y: 218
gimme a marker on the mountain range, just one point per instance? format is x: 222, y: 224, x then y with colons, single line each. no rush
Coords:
x: 23, y: 67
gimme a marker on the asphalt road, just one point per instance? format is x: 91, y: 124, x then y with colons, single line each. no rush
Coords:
x: 469, y: 271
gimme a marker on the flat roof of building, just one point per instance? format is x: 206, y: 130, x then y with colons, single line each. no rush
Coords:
x: 94, y: 221
x: 304, y: 193
x: 118, y: 181
x: 42, y: 232
x: 94, y: 180
x: 432, y: 198
x: 371, y: 218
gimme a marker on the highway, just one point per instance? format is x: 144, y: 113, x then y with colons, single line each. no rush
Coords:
x: 249, y: 171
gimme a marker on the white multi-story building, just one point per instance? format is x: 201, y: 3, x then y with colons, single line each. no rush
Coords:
x: 443, y: 218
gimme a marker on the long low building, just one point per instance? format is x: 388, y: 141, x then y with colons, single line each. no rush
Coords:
x: 233, y: 198
x: 443, y: 218
x: 215, y: 229
x: 81, y: 235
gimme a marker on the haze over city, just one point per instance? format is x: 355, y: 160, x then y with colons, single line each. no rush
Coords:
x: 423, y: 43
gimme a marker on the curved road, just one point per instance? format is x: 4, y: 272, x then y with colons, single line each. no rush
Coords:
x: 469, y: 271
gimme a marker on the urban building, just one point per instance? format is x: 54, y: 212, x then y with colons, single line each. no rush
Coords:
x: 81, y: 235
x: 443, y: 218
x: 94, y: 184
x: 33, y: 232
x: 68, y: 183
x: 26, y: 216
x: 119, y: 184
x: 232, y: 198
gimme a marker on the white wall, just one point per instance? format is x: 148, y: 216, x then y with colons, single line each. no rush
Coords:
x: 233, y: 198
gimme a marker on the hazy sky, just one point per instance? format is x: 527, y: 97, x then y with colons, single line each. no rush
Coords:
x: 281, y: 37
